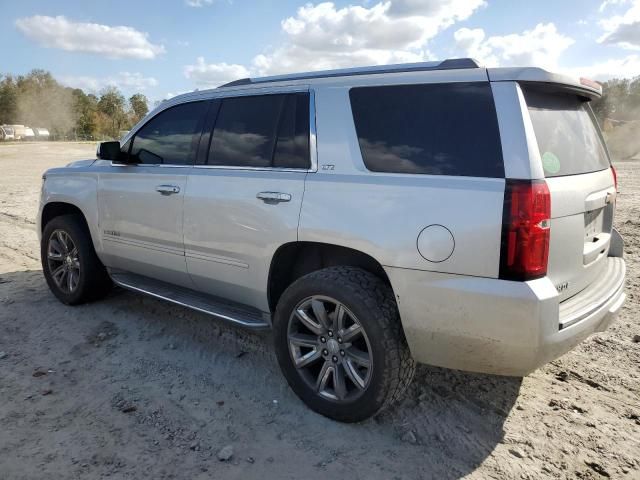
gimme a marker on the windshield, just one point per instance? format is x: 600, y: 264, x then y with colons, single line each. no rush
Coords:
x: 567, y: 133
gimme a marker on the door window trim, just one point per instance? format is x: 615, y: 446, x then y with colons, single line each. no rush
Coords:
x: 313, y: 147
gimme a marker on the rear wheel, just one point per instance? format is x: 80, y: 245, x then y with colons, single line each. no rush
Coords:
x: 340, y: 344
x: 71, y: 267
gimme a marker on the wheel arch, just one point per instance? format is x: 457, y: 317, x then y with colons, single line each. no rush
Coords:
x: 56, y: 208
x: 296, y: 259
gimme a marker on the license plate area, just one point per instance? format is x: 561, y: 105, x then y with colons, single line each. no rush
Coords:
x: 593, y: 225
x: 597, y: 235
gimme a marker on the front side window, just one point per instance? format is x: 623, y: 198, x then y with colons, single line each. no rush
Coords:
x: 170, y: 137
x: 262, y: 131
x: 434, y: 129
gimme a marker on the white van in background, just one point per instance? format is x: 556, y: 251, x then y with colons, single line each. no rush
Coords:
x: 28, y: 135
x: 41, y: 133
x: 6, y: 133
x: 18, y: 131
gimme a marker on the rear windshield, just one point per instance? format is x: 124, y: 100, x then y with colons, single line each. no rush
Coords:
x: 433, y: 129
x: 568, y: 136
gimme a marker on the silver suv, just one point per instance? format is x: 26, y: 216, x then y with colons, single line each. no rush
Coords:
x: 441, y: 213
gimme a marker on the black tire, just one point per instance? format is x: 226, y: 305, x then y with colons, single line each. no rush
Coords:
x: 372, y: 302
x: 93, y: 282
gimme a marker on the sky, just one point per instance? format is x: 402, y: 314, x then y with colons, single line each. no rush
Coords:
x: 166, y: 47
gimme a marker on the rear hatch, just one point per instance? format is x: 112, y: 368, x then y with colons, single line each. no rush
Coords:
x: 581, y: 184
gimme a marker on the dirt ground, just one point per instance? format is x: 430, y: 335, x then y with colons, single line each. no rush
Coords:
x: 132, y: 387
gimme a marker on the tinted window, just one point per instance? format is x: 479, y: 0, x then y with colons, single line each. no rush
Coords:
x: 170, y: 137
x: 567, y: 134
x: 292, y: 146
x: 262, y: 131
x: 437, y: 129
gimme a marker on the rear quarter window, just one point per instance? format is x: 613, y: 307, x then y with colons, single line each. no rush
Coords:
x: 567, y: 133
x: 434, y: 129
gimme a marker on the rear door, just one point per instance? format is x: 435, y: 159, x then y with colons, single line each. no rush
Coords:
x: 244, y: 201
x: 578, y: 173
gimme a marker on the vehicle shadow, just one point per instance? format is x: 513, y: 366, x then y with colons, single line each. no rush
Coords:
x: 446, y: 426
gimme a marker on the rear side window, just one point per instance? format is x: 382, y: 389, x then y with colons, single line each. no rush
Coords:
x: 292, y: 144
x: 262, y: 131
x: 171, y: 136
x: 567, y: 133
x: 435, y: 129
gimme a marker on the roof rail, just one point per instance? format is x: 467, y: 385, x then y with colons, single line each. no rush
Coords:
x: 235, y: 83
x: 449, y: 64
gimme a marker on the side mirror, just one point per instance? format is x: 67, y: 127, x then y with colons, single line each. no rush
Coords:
x: 110, y: 151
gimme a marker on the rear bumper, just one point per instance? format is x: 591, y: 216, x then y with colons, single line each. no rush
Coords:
x: 498, y: 326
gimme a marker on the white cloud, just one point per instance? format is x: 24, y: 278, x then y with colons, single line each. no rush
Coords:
x: 198, y: 3
x: 472, y: 43
x: 211, y: 75
x: 113, y: 42
x: 542, y: 46
x: 324, y: 36
x: 623, y: 30
x: 627, y: 67
x: 126, y: 81
x: 608, y: 3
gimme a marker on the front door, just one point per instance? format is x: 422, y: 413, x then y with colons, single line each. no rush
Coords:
x: 141, y: 203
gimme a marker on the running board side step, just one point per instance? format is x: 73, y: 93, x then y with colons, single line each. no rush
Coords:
x: 233, y: 312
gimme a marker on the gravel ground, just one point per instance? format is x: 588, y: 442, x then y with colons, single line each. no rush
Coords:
x: 131, y: 387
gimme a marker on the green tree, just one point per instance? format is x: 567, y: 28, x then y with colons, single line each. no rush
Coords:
x: 620, y: 100
x: 38, y: 100
x: 112, y: 105
x: 8, y: 100
x: 139, y: 107
x: 85, y: 109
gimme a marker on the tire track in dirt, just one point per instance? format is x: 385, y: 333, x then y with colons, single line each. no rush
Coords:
x: 17, y: 220
x: 18, y: 239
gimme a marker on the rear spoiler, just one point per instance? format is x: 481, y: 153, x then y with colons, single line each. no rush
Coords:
x: 531, y: 75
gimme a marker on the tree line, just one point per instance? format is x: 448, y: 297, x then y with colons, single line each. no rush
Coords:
x: 38, y: 100
x: 620, y: 101
x: 618, y: 112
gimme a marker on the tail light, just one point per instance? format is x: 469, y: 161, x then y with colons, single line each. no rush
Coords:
x: 524, y: 252
x: 587, y: 82
x: 615, y: 177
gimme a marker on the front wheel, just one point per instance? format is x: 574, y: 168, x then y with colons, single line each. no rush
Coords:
x: 340, y: 344
x: 71, y: 267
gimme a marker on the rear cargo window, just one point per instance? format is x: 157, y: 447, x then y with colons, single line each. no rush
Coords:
x: 567, y: 134
x: 435, y: 129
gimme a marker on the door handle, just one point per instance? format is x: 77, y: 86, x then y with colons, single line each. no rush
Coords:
x: 167, y: 189
x: 273, y: 197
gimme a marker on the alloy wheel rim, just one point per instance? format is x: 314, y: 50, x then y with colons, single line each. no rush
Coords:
x: 63, y: 261
x: 330, y: 349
